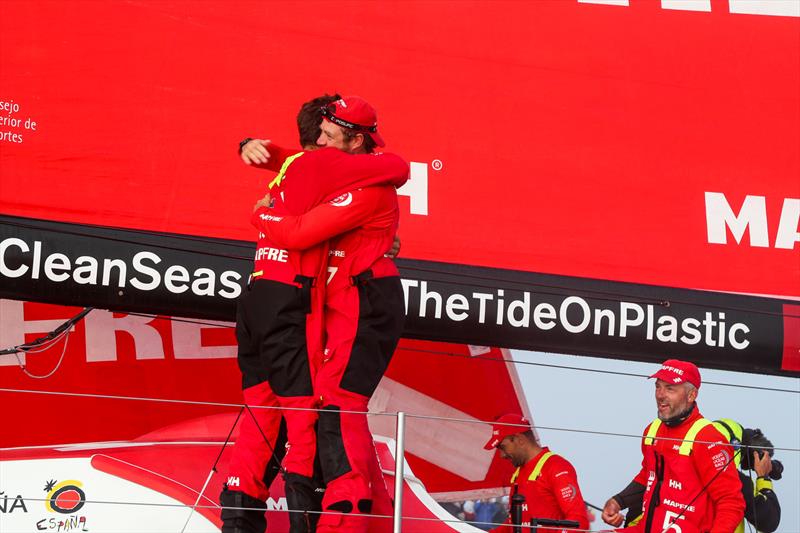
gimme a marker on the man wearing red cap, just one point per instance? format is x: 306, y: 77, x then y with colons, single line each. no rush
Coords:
x: 688, y: 474
x: 546, y: 480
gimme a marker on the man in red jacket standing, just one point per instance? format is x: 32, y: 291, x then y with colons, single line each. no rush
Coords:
x: 688, y: 473
x: 546, y: 480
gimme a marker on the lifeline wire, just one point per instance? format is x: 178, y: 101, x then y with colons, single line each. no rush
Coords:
x: 211, y: 472
x: 408, y: 415
x: 217, y: 507
x: 597, y: 371
x: 183, y: 402
x: 704, y: 489
x: 273, y: 457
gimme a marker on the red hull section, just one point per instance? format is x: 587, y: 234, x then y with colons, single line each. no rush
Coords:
x: 177, y: 473
x: 191, y: 367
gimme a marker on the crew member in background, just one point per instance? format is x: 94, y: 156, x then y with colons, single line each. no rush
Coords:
x: 279, y: 339
x: 754, y: 453
x: 689, y: 486
x: 364, y: 313
x: 548, y: 481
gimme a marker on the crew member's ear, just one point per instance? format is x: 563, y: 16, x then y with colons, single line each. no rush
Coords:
x: 692, y: 396
x: 357, y: 141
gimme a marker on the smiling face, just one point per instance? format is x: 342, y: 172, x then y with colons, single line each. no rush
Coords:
x: 673, y: 399
x: 333, y: 136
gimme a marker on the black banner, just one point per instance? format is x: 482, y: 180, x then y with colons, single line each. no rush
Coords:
x: 177, y: 275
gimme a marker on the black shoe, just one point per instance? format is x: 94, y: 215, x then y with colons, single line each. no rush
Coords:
x: 303, y: 494
x: 241, y: 513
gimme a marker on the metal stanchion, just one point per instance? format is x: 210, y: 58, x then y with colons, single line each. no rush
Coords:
x: 397, y: 517
x: 517, y: 501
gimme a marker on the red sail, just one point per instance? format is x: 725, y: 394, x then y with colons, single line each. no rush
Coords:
x: 640, y: 143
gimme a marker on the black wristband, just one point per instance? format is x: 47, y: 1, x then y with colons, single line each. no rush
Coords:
x: 630, y: 495
x: 243, y: 142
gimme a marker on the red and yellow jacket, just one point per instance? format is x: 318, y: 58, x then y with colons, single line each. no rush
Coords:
x: 691, y: 487
x: 306, y: 180
x: 550, y: 486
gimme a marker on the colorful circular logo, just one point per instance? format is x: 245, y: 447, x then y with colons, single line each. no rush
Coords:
x: 65, y: 497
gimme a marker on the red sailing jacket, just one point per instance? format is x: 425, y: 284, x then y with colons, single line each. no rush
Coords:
x: 307, y: 179
x: 363, y: 223
x: 550, y: 486
x: 675, y: 472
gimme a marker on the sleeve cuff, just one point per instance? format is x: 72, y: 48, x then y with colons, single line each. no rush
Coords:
x: 617, y: 498
x: 763, y: 483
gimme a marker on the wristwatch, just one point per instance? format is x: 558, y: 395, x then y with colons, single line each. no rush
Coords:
x: 243, y: 142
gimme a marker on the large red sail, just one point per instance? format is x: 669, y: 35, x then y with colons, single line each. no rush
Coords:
x: 639, y: 143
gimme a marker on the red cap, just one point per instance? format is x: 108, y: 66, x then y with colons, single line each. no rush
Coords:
x: 501, y: 430
x: 675, y: 371
x: 354, y: 113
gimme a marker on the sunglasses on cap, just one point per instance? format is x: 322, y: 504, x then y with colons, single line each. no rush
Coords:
x: 329, y: 112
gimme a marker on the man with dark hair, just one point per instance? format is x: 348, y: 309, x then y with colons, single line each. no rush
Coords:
x: 261, y: 445
x: 364, y: 312
x: 688, y: 482
x: 279, y: 337
x: 309, y: 118
x: 546, y: 480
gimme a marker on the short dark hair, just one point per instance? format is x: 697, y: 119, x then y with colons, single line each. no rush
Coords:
x: 310, y: 117
x: 369, y: 142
